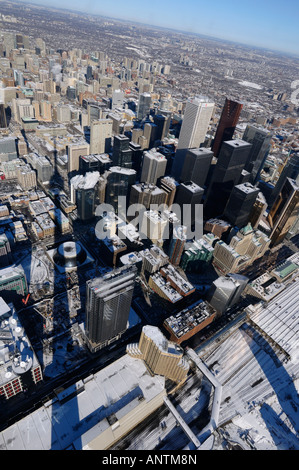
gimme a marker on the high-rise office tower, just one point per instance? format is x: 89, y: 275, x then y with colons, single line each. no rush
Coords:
x: 261, y: 145
x: 153, y: 226
x: 177, y: 244
x: 147, y: 195
x: 137, y: 154
x: 227, y: 124
x: 119, y: 182
x: 84, y: 190
x: 153, y: 166
x: 71, y: 93
x: 94, y: 112
x: 100, y: 136
x: 195, y: 126
x: 226, y: 291
x: 136, y: 134
x: 161, y: 122
x: 108, y: 303
x: 240, y: 204
x: 169, y: 186
x: 150, y: 133
x: 122, y: 153
x: 99, y: 163
x: 284, y: 211
x: 226, y: 175
x: 196, y: 166
x: 258, y: 210
x: 168, y: 115
x: 144, y: 106
x: 3, y: 120
x: 117, y: 99
x: 75, y: 151
x: 290, y: 170
x: 196, y: 122
x: 89, y: 74
x: 188, y: 196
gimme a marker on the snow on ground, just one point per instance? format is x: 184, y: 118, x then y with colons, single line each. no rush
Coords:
x: 260, y: 401
x: 37, y: 270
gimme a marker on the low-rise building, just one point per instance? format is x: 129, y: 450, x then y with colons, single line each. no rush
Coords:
x: 188, y: 322
x: 46, y: 224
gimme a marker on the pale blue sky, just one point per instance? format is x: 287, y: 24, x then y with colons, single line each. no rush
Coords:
x: 265, y: 23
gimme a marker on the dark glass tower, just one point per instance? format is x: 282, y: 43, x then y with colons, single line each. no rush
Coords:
x: 284, y: 211
x: 291, y: 170
x: 122, y: 153
x: 119, y: 182
x: 85, y: 201
x: 161, y: 122
x: 227, y: 124
x: 189, y: 195
x: 226, y: 175
x: 108, y: 303
x: 240, y: 204
x: 3, y: 121
x: 137, y: 154
x: 261, y: 145
x: 196, y: 166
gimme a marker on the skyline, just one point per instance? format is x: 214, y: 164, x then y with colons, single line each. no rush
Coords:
x: 149, y: 235
x: 266, y: 25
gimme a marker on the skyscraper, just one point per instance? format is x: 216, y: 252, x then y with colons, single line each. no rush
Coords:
x: 89, y: 72
x: 240, y: 204
x: 122, y: 153
x: 75, y: 151
x: 290, y: 170
x: 227, y: 124
x: 177, y: 244
x: 196, y: 166
x: 261, y: 144
x: 195, y: 126
x: 137, y: 153
x: 119, y: 182
x: 284, y: 211
x: 226, y: 175
x: 196, y: 122
x: 162, y: 123
x: 100, y: 136
x: 226, y: 291
x: 3, y: 120
x: 168, y: 185
x: 153, y: 166
x: 117, y: 99
x: 147, y: 195
x: 108, y: 303
x: 84, y: 191
x: 144, y: 106
x: 188, y: 196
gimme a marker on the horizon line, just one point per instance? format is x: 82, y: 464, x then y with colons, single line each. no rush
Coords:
x: 167, y: 28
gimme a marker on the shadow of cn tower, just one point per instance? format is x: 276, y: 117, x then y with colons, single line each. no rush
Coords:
x: 58, y: 333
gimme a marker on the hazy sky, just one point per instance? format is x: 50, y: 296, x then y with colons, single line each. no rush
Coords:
x: 266, y: 23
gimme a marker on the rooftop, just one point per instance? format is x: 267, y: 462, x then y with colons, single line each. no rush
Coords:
x: 74, y: 421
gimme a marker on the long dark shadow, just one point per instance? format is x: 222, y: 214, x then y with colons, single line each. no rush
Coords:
x: 61, y: 337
